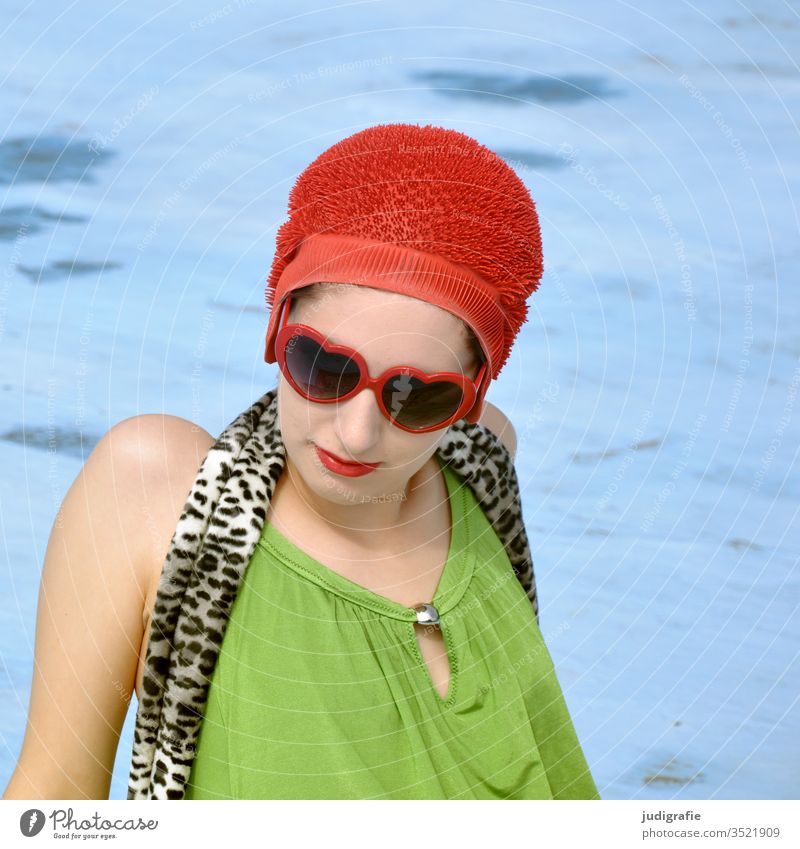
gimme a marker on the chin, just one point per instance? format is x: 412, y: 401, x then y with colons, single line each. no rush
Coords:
x: 342, y: 489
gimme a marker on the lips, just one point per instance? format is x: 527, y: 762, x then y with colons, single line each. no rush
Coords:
x: 344, y: 467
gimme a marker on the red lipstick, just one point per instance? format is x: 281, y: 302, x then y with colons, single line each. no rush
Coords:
x: 344, y: 467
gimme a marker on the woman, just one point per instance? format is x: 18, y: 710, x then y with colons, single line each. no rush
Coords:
x: 367, y: 642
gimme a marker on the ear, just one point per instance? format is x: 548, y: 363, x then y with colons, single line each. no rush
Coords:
x: 474, y: 415
x: 478, y: 408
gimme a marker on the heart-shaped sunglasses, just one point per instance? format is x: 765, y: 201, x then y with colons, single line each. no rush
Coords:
x: 409, y: 398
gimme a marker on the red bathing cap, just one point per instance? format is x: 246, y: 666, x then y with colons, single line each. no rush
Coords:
x: 428, y: 212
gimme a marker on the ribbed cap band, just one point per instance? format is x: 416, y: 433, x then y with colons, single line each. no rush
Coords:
x: 423, y: 211
x: 381, y: 265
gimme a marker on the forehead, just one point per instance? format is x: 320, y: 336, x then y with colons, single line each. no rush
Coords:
x: 383, y: 326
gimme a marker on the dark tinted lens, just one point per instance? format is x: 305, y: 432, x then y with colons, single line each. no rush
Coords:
x: 320, y: 374
x: 417, y: 405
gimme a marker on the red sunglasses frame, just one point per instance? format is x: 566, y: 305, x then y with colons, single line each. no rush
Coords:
x: 471, y: 390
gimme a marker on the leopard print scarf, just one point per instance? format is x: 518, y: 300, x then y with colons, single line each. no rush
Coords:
x: 215, y: 537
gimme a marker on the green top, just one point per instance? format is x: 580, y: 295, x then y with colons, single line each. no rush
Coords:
x: 320, y: 690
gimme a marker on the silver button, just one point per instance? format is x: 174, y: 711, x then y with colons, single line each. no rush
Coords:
x: 427, y: 614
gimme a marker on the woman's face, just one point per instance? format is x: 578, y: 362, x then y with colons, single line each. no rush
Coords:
x: 387, y: 329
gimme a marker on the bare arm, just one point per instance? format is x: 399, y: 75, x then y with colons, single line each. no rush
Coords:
x: 100, y: 562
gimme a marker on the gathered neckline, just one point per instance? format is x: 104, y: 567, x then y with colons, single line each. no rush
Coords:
x: 453, y: 581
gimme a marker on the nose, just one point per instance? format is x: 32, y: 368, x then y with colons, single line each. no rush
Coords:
x: 358, y: 424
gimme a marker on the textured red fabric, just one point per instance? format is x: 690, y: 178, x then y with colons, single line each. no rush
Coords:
x: 422, y: 210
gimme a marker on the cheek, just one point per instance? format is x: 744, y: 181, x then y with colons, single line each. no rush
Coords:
x: 287, y: 415
x: 410, y: 452
x: 295, y: 416
x: 302, y: 422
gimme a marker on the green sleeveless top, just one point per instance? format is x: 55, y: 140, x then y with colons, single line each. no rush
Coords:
x: 320, y: 690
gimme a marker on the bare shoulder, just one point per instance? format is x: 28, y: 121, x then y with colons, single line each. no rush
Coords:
x: 154, y: 459
x: 157, y: 458
x: 153, y: 437
x: 497, y: 422
x: 104, y: 554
